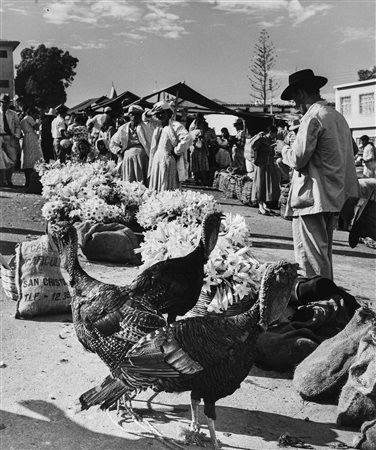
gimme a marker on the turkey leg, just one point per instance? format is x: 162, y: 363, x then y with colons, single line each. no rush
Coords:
x: 195, y: 425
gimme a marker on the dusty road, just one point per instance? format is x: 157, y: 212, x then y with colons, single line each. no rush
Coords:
x: 44, y: 369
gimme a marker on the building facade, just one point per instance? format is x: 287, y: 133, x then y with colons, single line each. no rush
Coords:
x: 7, y: 67
x: 356, y: 101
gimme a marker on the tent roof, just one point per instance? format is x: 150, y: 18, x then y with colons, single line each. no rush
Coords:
x: 183, y: 91
x: 89, y: 103
x: 126, y: 98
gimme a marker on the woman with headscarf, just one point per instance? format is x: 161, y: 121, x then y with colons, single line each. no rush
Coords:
x: 168, y: 166
x: 131, y: 144
x: 31, y: 148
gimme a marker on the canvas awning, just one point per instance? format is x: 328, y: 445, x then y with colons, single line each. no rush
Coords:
x: 90, y: 103
x: 183, y: 92
x: 124, y: 99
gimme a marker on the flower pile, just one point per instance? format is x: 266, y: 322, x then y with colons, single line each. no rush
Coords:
x: 187, y: 207
x: 231, y: 273
x: 88, y: 192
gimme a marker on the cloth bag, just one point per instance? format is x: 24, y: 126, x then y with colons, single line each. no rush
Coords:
x: 367, y: 438
x: 324, y: 372
x: 108, y: 242
x: 39, y: 279
x: 357, y: 402
x: 282, y: 347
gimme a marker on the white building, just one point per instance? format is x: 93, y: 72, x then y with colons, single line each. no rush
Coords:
x: 356, y: 101
x: 6, y: 66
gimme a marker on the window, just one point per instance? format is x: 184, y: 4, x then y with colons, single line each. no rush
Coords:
x: 345, y: 106
x: 3, y: 54
x: 366, y: 103
x: 4, y: 83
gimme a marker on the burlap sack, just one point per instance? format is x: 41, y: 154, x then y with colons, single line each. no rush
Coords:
x: 282, y: 347
x: 367, y: 438
x: 357, y: 402
x: 39, y: 280
x: 108, y: 242
x: 324, y: 372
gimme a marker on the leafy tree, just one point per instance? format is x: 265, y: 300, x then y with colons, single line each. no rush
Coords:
x: 262, y: 62
x: 43, y: 75
x: 367, y: 74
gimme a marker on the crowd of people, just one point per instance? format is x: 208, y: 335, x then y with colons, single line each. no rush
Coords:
x: 151, y: 147
x: 314, y: 156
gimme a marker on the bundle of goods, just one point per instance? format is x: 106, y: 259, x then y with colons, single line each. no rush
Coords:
x: 344, y: 367
x: 103, y: 207
x: 35, y: 280
x: 223, y: 178
x: 285, y: 189
x: 89, y: 192
x: 244, y: 190
x: 187, y: 207
x: 231, y: 274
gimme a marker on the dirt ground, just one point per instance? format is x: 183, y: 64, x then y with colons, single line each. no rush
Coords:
x: 44, y: 369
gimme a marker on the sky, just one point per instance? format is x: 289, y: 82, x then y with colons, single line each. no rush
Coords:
x: 146, y: 45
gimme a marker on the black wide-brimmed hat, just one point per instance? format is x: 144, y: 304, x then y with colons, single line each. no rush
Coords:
x: 301, y: 78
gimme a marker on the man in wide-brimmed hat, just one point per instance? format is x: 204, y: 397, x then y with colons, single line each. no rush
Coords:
x: 324, y: 175
x: 10, y: 133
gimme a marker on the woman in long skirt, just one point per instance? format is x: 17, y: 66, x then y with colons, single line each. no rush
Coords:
x: 131, y: 143
x: 265, y: 188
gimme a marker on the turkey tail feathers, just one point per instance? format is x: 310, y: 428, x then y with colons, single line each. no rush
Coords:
x: 105, y: 394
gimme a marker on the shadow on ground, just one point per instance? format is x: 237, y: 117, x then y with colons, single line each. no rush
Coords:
x: 53, y: 428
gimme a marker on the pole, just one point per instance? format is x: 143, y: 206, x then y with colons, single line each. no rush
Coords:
x: 271, y: 95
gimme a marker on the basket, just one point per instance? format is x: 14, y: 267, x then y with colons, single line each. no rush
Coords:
x: 217, y: 176
x: 8, y: 279
x: 223, y: 180
x: 230, y: 188
x: 246, y: 191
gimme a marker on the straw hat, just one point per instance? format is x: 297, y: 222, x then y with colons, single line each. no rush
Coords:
x: 135, y: 109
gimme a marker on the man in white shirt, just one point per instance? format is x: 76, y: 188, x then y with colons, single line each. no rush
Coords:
x: 324, y: 174
x: 10, y: 133
x: 58, y: 131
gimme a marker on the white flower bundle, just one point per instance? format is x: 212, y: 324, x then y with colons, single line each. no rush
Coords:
x: 231, y: 273
x: 88, y: 191
x: 188, y: 207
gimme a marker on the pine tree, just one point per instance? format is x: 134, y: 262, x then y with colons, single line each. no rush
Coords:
x: 262, y: 61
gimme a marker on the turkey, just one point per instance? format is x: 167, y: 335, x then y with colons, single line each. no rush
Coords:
x: 209, y: 356
x: 109, y: 319
x: 174, y: 285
